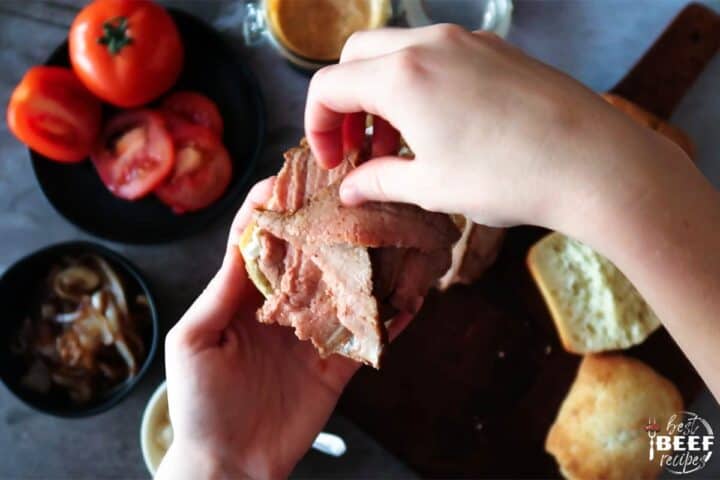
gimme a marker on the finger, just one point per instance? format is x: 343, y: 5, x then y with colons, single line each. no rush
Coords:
x: 353, y: 133
x: 385, y: 139
x: 216, y: 306
x: 382, y: 41
x: 327, y: 147
x: 258, y: 195
x: 205, y: 320
x: 492, y: 38
x: 335, y: 91
x: 378, y: 42
x: 384, y: 179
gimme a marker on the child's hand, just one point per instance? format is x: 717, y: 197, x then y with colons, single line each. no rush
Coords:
x: 246, y: 400
x: 506, y: 140
x: 497, y: 135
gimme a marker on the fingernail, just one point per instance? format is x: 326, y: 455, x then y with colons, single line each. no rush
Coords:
x: 349, y: 194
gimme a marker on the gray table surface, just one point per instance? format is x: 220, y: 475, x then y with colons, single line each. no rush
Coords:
x: 596, y: 41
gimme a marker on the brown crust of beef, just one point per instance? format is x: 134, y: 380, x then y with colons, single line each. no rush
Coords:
x: 299, y: 179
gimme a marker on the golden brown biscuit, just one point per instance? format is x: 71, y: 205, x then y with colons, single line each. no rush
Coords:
x: 646, y: 118
x: 598, y: 433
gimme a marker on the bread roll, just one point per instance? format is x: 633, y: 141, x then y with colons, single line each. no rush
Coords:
x: 599, y: 430
x: 249, y: 246
x: 594, y: 306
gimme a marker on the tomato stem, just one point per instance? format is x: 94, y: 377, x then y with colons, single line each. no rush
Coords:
x: 115, y: 35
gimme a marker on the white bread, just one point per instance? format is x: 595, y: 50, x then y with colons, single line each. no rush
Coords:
x: 598, y: 432
x: 594, y: 306
x: 249, y: 246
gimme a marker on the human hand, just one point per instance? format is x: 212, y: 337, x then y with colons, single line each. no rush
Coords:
x: 245, y: 399
x: 506, y: 140
x: 497, y: 135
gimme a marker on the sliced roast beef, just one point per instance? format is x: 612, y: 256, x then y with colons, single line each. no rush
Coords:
x: 328, y: 265
x: 347, y: 269
x: 299, y: 179
x: 275, y: 254
x: 325, y: 220
x: 305, y: 301
x: 473, y: 254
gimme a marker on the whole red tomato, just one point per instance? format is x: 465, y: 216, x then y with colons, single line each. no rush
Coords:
x: 127, y: 52
x: 54, y: 114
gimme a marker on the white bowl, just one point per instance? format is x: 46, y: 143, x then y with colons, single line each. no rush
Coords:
x: 154, y: 417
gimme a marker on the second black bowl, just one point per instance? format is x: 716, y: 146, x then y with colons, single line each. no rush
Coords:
x: 18, y: 288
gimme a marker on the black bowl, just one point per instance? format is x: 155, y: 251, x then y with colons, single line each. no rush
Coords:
x: 18, y: 286
x: 211, y: 68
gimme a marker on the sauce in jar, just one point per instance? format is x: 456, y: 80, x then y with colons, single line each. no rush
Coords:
x: 318, y: 29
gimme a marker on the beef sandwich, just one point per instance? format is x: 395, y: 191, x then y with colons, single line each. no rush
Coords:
x: 338, y: 274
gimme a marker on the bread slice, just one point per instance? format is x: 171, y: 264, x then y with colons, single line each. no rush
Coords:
x: 249, y: 246
x: 599, y: 430
x: 594, y: 306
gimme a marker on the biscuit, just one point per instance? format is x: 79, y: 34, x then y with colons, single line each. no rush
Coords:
x: 599, y: 430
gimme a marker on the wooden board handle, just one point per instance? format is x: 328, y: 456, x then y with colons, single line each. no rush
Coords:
x: 659, y: 80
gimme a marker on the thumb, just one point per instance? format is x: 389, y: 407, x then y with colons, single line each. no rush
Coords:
x: 230, y: 289
x: 383, y: 179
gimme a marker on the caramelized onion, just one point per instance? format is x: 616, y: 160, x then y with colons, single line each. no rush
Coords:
x: 84, y: 336
x: 73, y: 282
x: 69, y: 317
x: 114, y: 286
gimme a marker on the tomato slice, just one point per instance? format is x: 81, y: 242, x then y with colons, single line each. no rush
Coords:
x: 202, y: 172
x: 53, y: 113
x: 135, y: 153
x: 195, y: 108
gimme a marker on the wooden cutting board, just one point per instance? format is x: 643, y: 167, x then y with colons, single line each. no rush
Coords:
x: 472, y: 386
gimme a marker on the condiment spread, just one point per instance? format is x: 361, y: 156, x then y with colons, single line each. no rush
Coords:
x: 318, y: 29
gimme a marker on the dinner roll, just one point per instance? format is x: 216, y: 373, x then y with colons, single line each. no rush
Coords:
x: 594, y: 306
x: 599, y: 431
x: 249, y: 245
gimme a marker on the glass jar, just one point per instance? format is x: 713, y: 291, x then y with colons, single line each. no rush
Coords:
x: 491, y: 15
x: 311, y: 33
